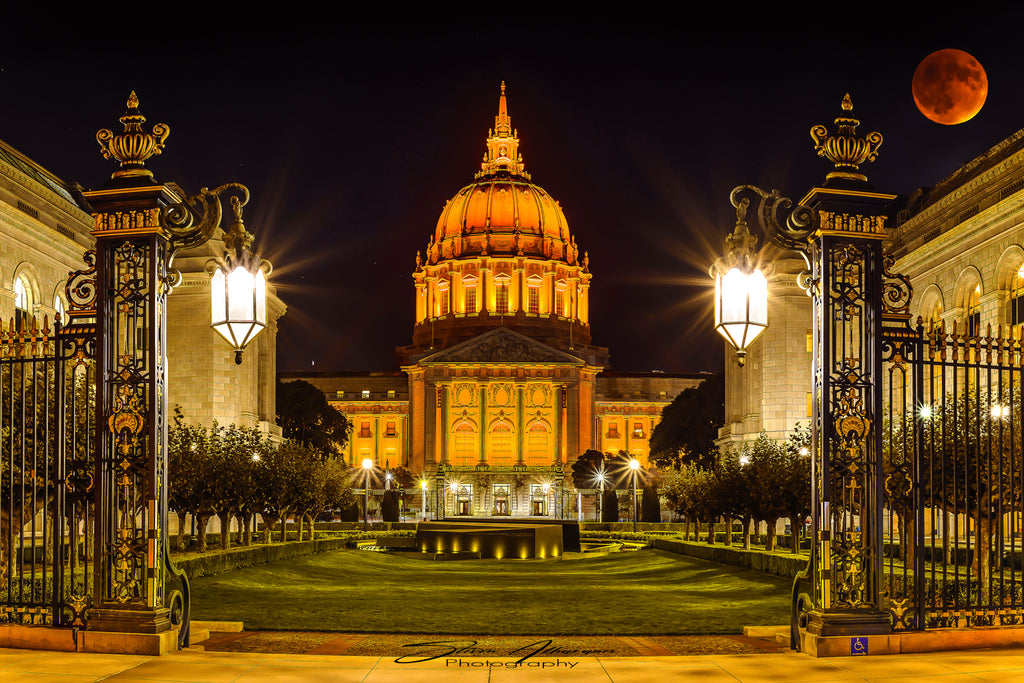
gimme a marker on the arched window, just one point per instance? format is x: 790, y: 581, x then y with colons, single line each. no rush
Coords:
x: 1017, y: 299
x: 501, y: 449
x: 465, y: 443
x: 538, y: 443
x: 22, y: 301
x: 972, y: 312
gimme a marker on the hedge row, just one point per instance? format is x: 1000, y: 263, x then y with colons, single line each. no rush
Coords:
x: 219, y: 561
x: 777, y: 564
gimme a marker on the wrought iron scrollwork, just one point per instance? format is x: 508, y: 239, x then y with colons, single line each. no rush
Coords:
x: 193, y: 221
x: 787, y: 225
x: 896, y: 290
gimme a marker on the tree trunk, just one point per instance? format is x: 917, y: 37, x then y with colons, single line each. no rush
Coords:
x: 309, y: 516
x: 225, y: 529
x: 982, y: 556
x: 711, y: 531
x: 201, y: 519
x: 180, y: 541
x: 269, y: 523
x: 769, y: 541
x: 247, y: 520
x: 284, y: 526
x: 728, y: 530
x: 908, y: 538
x: 746, y: 532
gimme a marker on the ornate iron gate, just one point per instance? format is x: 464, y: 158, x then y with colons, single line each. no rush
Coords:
x: 47, y: 440
x: 954, y: 476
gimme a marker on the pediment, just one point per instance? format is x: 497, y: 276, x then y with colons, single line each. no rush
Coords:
x: 501, y: 345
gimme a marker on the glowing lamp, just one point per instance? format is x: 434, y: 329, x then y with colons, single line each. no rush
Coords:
x: 634, y: 464
x: 239, y: 305
x: 238, y: 288
x: 367, y: 464
x: 741, y: 307
x: 741, y: 289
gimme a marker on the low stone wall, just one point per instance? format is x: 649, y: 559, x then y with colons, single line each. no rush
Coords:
x: 220, y: 561
x: 777, y: 564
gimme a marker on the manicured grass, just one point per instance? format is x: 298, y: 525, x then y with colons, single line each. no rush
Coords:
x: 644, y: 592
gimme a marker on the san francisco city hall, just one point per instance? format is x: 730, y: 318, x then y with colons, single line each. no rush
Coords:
x: 502, y: 387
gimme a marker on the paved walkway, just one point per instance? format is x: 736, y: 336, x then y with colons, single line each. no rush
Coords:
x: 782, y: 667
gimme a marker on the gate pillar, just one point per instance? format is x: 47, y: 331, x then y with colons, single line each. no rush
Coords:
x: 132, y: 254
x: 847, y: 468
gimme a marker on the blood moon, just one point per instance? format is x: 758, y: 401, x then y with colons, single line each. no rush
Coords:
x: 949, y: 86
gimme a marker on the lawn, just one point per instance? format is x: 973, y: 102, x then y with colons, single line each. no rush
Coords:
x: 644, y: 592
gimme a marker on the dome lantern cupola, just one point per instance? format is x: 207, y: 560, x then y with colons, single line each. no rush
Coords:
x: 503, y: 145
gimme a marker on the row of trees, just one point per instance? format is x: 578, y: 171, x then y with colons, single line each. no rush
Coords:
x: 762, y: 482
x: 237, y: 473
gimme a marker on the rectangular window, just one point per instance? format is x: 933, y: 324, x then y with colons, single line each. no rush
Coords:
x: 389, y: 430
x: 471, y: 299
x: 501, y: 298
x: 560, y: 302
x: 1017, y: 310
x: 974, y: 324
x: 445, y: 301
x: 364, y: 430
x: 638, y: 430
x: 533, y: 300
x: 366, y: 393
x: 391, y: 393
x: 613, y: 430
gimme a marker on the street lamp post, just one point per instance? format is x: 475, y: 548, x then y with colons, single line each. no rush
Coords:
x: 423, y: 498
x: 547, y: 488
x: 634, y: 466
x: 838, y: 228
x: 600, y: 502
x: 367, y: 466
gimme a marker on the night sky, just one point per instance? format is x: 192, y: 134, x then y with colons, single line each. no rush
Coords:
x: 352, y: 132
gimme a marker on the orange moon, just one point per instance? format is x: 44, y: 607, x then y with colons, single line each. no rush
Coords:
x: 950, y: 86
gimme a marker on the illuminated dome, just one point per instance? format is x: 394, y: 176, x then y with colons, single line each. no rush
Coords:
x: 501, y: 212
x: 501, y: 256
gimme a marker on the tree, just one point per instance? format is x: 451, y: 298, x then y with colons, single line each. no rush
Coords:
x: 306, y: 417
x: 770, y: 470
x: 585, y: 469
x: 689, y: 426
x: 650, y: 505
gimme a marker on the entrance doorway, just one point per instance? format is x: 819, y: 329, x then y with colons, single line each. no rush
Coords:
x: 500, y: 493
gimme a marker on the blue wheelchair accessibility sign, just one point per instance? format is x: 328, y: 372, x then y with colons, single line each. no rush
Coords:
x: 859, y: 645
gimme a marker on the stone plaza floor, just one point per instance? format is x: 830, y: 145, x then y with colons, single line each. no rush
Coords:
x: 194, y: 666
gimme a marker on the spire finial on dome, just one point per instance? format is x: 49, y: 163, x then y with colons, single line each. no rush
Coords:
x: 503, y: 143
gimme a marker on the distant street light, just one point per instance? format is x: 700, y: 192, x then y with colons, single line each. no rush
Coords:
x: 367, y: 466
x: 423, y: 498
x: 600, y: 501
x: 634, y: 465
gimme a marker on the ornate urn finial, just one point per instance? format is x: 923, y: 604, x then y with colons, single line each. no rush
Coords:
x: 132, y: 147
x: 845, y: 149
